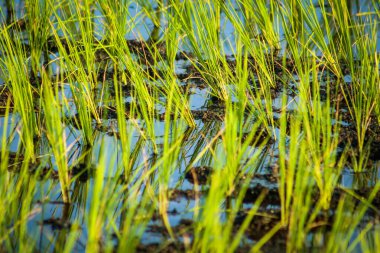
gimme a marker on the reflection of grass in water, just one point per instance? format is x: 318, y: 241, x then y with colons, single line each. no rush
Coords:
x: 133, y: 184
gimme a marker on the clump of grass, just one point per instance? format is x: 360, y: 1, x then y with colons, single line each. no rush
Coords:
x: 345, y: 223
x: 15, y: 73
x: 55, y: 133
x: 362, y: 94
x: 200, y: 22
x: 39, y: 14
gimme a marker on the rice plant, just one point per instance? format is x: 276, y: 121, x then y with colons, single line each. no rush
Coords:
x: 189, y: 126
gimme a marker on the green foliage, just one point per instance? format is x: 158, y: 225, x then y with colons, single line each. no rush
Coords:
x: 113, y: 120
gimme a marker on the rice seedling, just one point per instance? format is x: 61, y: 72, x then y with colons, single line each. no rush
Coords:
x: 55, y: 133
x: 189, y: 126
x: 15, y: 73
x: 205, y: 42
x: 346, y: 223
x: 361, y: 96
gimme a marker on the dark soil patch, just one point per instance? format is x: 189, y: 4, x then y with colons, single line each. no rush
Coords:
x: 198, y: 175
x: 83, y: 172
x: 57, y: 223
x: 5, y: 95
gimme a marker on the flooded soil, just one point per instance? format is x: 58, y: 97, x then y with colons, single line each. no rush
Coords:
x: 193, y: 182
x: 192, y: 177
